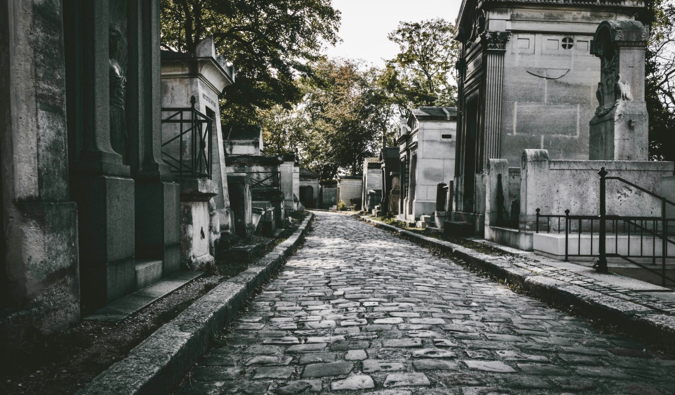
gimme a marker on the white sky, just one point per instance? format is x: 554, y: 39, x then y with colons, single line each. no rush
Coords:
x: 366, y: 23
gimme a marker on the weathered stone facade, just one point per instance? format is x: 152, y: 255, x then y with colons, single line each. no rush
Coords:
x: 309, y: 188
x: 349, y: 190
x: 427, y: 144
x: 390, y: 166
x: 527, y: 80
x: 89, y: 208
x: 371, y: 194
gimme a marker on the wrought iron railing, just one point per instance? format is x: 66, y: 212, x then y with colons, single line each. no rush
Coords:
x: 265, y: 180
x: 186, y: 147
x: 633, y: 236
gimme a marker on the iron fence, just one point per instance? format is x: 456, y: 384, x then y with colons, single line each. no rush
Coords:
x: 186, y: 147
x: 630, y: 237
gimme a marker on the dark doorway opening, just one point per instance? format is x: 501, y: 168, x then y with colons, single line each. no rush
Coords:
x: 307, y: 196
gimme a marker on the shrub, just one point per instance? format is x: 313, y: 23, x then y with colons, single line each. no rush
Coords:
x: 341, y: 206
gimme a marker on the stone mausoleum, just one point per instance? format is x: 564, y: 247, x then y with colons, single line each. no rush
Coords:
x: 427, y: 141
x: 191, y: 88
x: 618, y: 145
x: 90, y: 210
x: 527, y: 80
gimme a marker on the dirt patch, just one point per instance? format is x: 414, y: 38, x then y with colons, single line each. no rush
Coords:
x: 66, y: 361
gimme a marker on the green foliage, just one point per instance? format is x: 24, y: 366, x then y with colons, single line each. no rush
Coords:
x: 422, y: 72
x: 339, y: 122
x: 270, y: 42
x: 660, y: 80
x: 341, y: 206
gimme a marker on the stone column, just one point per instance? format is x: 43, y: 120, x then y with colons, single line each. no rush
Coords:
x: 157, y: 196
x: 101, y: 183
x: 494, y: 44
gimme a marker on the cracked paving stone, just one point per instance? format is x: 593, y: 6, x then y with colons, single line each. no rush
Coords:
x: 434, y: 364
x: 542, y: 370
x: 445, y: 343
x: 274, y: 372
x: 282, y: 340
x: 402, y: 343
x: 510, y: 355
x: 356, y: 355
x: 433, y: 353
x: 406, y: 380
x: 317, y: 357
x: 307, y: 347
x: 596, y: 371
x: 327, y: 369
x: 489, y: 366
x: 350, y: 345
x: 376, y: 365
x: 299, y: 387
x: 353, y: 383
x: 269, y: 360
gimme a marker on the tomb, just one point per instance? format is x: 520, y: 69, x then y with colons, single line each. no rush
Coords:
x: 349, y: 191
x: 191, y: 87
x: 527, y: 80
x: 390, y: 166
x: 90, y: 210
x: 427, y: 157
x: 309, y: 188
x: 544, y: 200
x: 328, y: 195
x: 265, y: 177
x: 371, y: 194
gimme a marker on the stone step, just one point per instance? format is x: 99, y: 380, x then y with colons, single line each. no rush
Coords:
x: 147, y: 272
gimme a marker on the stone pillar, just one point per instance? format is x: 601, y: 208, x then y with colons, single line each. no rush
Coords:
x: 157, y: 196
x: 534, y: 182
x: 95, y: 40
x: 494, y: 44
x: 620, y: 128
x: 240, y: 198
x: 195, y: 221
x: 39, y: 284
x: 286, y: 180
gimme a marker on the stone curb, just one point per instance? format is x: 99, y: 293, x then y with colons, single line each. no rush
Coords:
x: 159, y: 363
x: 645, y: 323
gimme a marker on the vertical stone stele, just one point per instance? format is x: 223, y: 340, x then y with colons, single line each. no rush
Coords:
x: 619, y: 129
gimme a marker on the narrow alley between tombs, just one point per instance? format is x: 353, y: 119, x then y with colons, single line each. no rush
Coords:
x: 360, y: 310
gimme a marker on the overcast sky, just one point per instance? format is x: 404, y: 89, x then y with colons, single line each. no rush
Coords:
x: 366, y: 23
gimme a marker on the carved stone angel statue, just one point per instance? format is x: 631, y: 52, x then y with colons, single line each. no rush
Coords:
x: 622, y: 89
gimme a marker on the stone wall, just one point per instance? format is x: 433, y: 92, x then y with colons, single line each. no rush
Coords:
x: 349, y: 190
x: 38, y: 238
x: 557, y: 185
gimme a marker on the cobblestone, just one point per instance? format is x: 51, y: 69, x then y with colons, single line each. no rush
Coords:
x: 362, y: 311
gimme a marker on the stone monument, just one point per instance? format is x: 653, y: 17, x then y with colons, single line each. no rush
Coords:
x: 619, y: 129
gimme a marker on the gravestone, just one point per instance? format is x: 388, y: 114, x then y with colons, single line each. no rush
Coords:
x: 619, y: 129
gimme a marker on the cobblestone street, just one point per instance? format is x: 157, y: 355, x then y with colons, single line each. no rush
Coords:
x: 359, y: 310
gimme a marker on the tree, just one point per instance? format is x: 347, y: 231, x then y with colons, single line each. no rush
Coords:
x: 421, y: 73
x: 660, y: 81
x: 270, y: 42
x: 339, y: 122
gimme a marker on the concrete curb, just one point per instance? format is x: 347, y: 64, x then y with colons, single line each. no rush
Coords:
x: 646, y: 323
x: 158, y: 364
